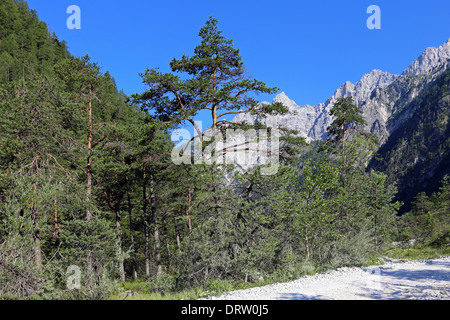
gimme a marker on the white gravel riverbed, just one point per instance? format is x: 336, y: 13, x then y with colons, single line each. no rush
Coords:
x: 394, y: 280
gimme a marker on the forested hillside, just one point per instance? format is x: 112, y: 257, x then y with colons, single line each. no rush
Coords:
x: 26, y: 45
x: 90, y: 197
x: 71, y: 152
x: 416, y: 155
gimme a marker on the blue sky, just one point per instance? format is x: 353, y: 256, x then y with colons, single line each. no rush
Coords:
x: 306, y: 48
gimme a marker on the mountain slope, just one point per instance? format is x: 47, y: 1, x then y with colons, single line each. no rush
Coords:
x: 417, y: 152
x: 382, y: 97
x: 312, y: 121
x: 429, y: 60
x: 408, y: 112
x: 26, y: 44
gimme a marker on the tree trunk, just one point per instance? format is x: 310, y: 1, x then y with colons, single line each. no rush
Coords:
x: 130, y: 214
x: 89, y: 181
x: 307, y: 246
x: 177, y: 232
x: 119, y: 240
x: 214, y: 107
x: 89, y: 159
x: 155, y: 227
x: 146, y: 223
x: 216, y: 200
x: 37, y: 241
x: 56, y: 219
x: 166, y: 238
x: 188, y: 210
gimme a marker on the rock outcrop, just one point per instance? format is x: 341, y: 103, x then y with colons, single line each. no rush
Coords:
x: 381, y: 96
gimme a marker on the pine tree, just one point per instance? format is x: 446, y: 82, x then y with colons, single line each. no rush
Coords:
x: 215, y: 81
x: 347, y: 120
x: 82, y: 77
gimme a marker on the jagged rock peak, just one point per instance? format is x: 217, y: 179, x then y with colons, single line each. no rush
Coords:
x: 370, y: 81
x: 345, y: 90
x: 283, y: 98
x: 363, y: 88
x: 447, y: 44
x: 378, y: 77
x: 430, y: 59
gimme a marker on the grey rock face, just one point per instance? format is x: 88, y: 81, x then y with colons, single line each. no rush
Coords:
x: 380, y: 95
x: 302, y: 120
x: 312, y: 121
x: 429, y: 60
x: 360, y: 92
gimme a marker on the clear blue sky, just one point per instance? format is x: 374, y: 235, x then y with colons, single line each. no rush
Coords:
x: 306, y: 48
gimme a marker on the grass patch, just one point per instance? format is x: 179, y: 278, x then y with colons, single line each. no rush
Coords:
x: 192, y: 294
x: 418, y: 252
x: 373, y: 260
x: 144, y: 290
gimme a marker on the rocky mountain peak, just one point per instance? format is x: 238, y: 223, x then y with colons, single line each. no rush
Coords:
x: 362, y: 89
x: 370, y: 81
x: 429, y: 60
x: 447, y: 44
x: 368, y: 94
x: 283, y: 98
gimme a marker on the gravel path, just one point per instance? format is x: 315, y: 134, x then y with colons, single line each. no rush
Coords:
x: 394, y: 280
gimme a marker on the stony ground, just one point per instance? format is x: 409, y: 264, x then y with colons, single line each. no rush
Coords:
x: 394, y: 280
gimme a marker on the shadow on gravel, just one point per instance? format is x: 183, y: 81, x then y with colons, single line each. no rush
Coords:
x: 405, y: 284
x: 425, y: 274
x: 429, y: 281
x: 298, y: 296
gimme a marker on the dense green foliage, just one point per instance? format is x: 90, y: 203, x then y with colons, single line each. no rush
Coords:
x: 212, y: 79
x: 429, y: 222
x: 416, y: 155
x: 87, y: 180
x: 26, y: 45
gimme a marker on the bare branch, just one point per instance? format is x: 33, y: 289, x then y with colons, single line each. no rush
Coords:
x: 233, y: 112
